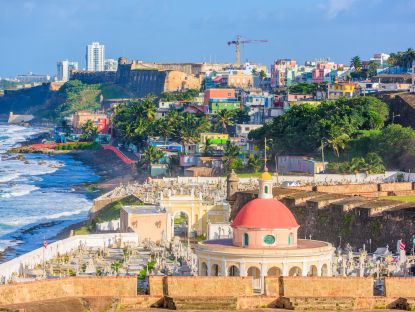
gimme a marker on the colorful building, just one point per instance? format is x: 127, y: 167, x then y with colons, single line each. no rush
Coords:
x: 283, y: 73
x: 100, y: 120
x: 343, y: 89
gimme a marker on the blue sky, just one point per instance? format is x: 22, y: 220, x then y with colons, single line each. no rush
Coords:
x: 36, y: 33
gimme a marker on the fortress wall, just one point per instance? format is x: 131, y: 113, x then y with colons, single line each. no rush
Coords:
x: 391, y: 187
x: 155, y: 285
x: 205, y: 286
x: 400, y: 287
x: 348, y: 188
x: 272, y: 286
x: 68, y: 287
x: 322, y: 286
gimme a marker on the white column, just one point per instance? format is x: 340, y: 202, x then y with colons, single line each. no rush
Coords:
x: 263, y: 274
x: 320, y: 264
x: 284, y: 268
x: 209, y: 269
x: 305, y: 268
x: 224, y: 270
x: 242, y: 271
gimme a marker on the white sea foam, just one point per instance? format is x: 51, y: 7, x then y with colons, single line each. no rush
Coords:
x: 17, y: 190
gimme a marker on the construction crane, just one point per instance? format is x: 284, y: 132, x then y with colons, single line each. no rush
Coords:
x: 238, y: 43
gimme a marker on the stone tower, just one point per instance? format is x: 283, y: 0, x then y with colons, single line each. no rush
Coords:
x: 232, y: 182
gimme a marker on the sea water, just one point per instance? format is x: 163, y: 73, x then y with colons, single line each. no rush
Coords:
x: 37, y: 194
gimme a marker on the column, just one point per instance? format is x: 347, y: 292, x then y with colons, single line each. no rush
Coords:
x: 320, y: 264
x: 263, y: 273
x: 304, y: 269
x: 284, y: 268
x: 224, y: 270
x: 242, y: 271
x: 209, y: 269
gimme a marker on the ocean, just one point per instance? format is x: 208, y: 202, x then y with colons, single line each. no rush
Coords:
x: 38, y: 194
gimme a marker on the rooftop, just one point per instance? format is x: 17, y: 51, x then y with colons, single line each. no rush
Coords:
x: 148, y: 209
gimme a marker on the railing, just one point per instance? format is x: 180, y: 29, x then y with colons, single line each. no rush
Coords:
x: 120, y: 154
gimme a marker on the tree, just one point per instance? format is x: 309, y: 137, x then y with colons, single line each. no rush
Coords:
x: 207, y: 149
x: 374, y: 164
x: 241, y: 117
x: 148, y: 108
x: 163, y: 127
x: 356, y: 63
x: 89, y: 131
x: 255, y: 163
x: 231, y: 155
x: 372, y: 69
x: 151, y: 156
x: 224, y: 119
x: 262, y: 74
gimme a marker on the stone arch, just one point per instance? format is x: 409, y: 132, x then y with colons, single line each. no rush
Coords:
x: 203, y: 269
x: 233, y: 270
x: 274, y: 271
x: 312, y: 271
x: 215, y: 270
x: 181, y: 229
x: 256, y: 276
x: 324, y: 270
x: 295, y: 271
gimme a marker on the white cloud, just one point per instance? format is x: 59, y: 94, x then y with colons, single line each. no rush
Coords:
x: 334, y: 7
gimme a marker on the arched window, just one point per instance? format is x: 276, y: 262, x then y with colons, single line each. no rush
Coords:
x: 246, y: 239
x: 266, y: 189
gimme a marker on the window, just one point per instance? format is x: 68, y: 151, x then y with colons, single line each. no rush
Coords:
x: 246, y: 239
x: 266, y: 189
x: 269, y: 239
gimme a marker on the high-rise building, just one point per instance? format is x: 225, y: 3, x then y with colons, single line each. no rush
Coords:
x: 64, y: 69
x: 95, y: 57
x: 110, y: 65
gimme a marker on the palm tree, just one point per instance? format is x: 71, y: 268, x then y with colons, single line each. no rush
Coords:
x: 357, y: 164
x: 151, y: 156
x: 356, y: 63
x: 231, y: 154
x: 207, y: 148
x: 163, y: 127
x: 255, y: 163
x: 374, y: 163
x: 409, y: 57
x: 338, y: 143
x: 224, y: 119
x: 148, y: 108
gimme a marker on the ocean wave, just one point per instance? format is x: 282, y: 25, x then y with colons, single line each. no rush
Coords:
x: 18, y: 190
x: 8, y: 177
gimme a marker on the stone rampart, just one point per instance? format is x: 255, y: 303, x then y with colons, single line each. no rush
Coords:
x: 400, y: 287
x: 200, y: 286
x: 395, y: 187
x: 319, y: 287
x: 347, y: 188
x: 68, y: 287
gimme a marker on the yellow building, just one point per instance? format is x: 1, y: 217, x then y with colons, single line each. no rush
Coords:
x: 342, y: 89
x: 240, y: 79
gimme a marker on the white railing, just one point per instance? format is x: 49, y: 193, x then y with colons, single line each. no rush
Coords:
x: 35, y: 257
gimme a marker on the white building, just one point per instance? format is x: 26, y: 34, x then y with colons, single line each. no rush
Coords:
x: 95, y: 57
x: 110, y: 65
x: 64, y: 68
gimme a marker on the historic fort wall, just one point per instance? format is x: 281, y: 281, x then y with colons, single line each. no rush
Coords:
x: 400, y: 287
x: 200, y: 286
x: 68, y: 287
x: 319, y: 286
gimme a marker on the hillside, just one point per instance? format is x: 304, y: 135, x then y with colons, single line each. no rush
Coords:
x: 53, y: 105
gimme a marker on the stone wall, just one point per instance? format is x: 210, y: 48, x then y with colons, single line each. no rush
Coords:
x: 347, y: 188
x: 400, y: 287
x: 319, y: 287
x: 68, y: 287
x: 396, y: 187
x: 94, y: 77
x: 200, y: 286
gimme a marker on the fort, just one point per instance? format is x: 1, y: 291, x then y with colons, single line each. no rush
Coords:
x: 142, y: 78
x: 214, y: 293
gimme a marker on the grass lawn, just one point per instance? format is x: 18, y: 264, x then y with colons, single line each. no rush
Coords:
x: 406, y: 199
x: 112, y: 91
x: 108, y: 213
x: 249, y: 174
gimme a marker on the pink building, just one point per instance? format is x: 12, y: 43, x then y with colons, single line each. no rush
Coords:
x: 299, y: 97
x: 279, y: 71
x: 321, y: 70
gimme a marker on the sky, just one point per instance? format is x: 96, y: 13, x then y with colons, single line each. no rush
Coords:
x: 35, y: 34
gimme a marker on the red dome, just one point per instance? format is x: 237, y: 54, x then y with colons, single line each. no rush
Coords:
x: 265, y: 214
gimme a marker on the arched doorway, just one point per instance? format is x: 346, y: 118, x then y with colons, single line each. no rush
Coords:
x: 312, y: 271
x: 256, y: 275
x: 181, y: 224
x: 295, y: 271
x: 203, y: 269
x: 324, y: 270
x: 233, y: 271
x: 274, y: 271
x: 215, y: 270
